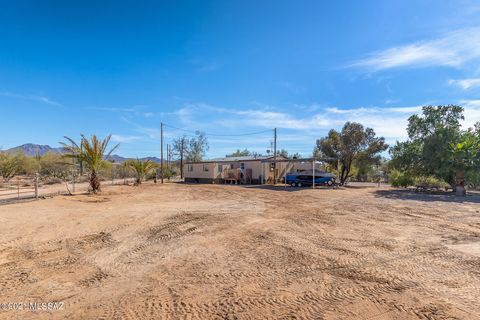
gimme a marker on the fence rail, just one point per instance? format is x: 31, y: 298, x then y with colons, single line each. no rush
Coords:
x: 18, y: 190
x: 28, y: 187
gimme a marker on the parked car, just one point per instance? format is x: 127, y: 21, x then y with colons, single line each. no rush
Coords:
x: 306, y: 180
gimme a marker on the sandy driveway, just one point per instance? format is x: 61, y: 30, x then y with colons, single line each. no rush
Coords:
x: 229, y: 252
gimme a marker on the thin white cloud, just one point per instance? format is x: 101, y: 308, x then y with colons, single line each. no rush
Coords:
x: 362, y: 110
x: 43, y: 99
x: 125, y: 139
x: 453, y: 49
x: 472, y: 112
x: 113, y: 109
x: 389, y: 122
x: 391, y: 101
x: 46, y: 100
x: 465, y: 84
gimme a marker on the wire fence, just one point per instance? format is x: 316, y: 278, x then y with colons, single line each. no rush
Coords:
x: 35, y: 187
x: 19, y: 188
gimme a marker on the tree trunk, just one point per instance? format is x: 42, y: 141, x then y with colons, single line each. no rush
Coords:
x: 342, y: 175
x: 347, y: 172
x: 460, y: 184
x: 94, y: 182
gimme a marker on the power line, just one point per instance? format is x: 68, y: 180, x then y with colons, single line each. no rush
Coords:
x: 218, y: 135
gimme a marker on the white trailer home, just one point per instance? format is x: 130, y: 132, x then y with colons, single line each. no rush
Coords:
x: 244, y: 170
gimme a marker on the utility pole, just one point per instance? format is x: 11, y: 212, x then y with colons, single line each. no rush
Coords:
x: 161, y: 150
x: 168, y: 156
x: 274, y: 156
x: 181, y: 158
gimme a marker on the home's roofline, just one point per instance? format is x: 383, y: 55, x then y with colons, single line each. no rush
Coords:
x: 235, y: 159
x: 265, y: 159
x: 306, y: 159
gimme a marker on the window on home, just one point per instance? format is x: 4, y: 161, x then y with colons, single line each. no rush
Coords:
x: 242, y: 165
x: 190, y: 167
x: 205, y: 167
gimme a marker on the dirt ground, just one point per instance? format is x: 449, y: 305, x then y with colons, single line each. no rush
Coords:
x: 178, y: 251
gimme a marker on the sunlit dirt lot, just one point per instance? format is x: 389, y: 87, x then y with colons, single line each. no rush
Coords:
x: 179, y: 251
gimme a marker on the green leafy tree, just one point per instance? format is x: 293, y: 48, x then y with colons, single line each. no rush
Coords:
x: 353, y: 145
x: 465, y: 158
x: 91, y: 153
x: 400, y: 179
x: 240, y: 153
x: 283, y: 153
x: 296, y: 155
x: 141, y: 168
x: 430, y: 150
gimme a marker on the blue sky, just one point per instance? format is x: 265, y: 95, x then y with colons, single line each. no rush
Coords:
x: 231, y: 67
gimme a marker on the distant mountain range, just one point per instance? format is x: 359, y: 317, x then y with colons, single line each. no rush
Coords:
x: 32, y: 150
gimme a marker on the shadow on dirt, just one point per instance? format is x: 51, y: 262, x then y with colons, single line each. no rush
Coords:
x: 278, y: 187
x: 284, y: 188
x: 406, y: 194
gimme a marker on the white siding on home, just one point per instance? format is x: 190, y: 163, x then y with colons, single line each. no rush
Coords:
x: 214, y: 170
x: 199, y: 170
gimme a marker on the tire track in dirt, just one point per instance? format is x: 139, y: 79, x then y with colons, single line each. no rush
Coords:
x: 174, y: 228
x: 306, y: 305
x: 262, y: 253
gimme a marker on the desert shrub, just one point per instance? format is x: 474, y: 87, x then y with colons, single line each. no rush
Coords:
x: 10, y: 165
x: 400, y: 179
x: 52, y: 180
x: 152, y: 175
x: 473, y: 180
x: 29, y: 165
x: 56, y: 166
x: 167, y: 172
x: 430, y: 181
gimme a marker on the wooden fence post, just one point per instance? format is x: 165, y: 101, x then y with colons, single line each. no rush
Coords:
x: 36, y: 186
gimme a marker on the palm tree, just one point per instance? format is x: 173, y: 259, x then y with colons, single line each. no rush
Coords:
x: 92, y: 154
x: 141, y: 168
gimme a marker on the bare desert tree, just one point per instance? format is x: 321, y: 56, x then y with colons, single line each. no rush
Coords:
x: 180, y: 149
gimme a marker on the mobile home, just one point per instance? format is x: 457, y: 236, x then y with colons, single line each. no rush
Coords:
x: 243, y: 170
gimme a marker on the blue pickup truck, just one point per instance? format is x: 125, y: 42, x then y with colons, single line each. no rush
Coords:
x: 306, y: 180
